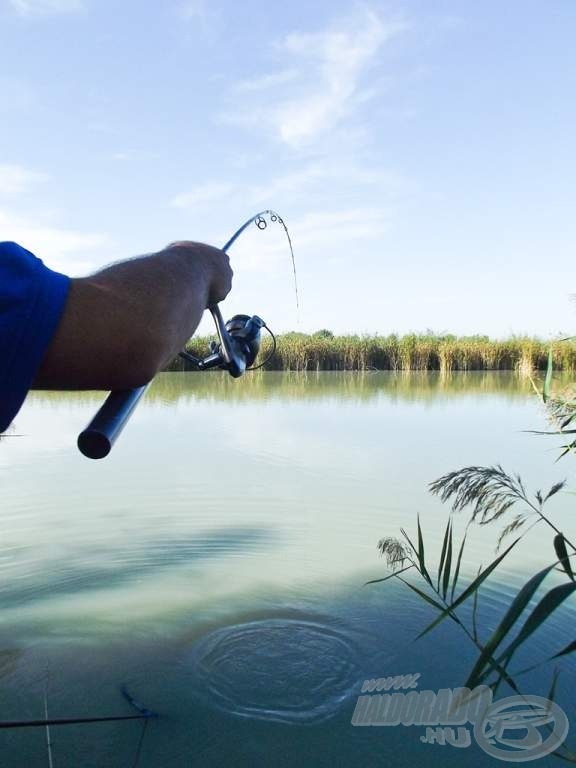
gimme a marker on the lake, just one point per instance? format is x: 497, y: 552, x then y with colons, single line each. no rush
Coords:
x: 215, y: 564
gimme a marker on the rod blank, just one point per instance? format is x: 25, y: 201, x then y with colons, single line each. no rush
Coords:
x: 96, y: 441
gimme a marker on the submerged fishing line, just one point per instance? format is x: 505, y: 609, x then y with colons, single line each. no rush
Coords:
x: 46, y: 716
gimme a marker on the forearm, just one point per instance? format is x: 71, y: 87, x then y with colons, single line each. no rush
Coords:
x: 123, y: 324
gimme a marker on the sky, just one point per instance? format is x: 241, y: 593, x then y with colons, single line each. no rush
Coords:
x: 422, y: 154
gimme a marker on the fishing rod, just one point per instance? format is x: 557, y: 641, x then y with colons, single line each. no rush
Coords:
x: 143, y: 714
x: 238, y: 345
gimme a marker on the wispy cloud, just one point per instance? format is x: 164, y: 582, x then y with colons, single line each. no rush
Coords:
x: 32, y: 8
x: 318, y: 182
x: 338, y: 231
x: 66, y: 250
x: 200, y: 13
x: 15, y: 179
x: 194, y: 9
x: 264, y: 82
x: 210, y: 192
x: 321, y: 80
x: 324, y: 182
x: 329, y: 235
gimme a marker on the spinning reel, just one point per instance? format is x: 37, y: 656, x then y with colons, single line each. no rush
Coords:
x: 236, y: 350
x: 238, y: 347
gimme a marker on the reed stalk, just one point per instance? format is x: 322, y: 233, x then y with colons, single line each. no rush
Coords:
x: 411, y: 352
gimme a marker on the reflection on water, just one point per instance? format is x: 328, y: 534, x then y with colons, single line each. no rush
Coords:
x: 108, y: 567
x: 405, y: 385
x: 215, y: 561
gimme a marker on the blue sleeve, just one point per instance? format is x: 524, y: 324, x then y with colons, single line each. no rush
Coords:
x: 32, y: 300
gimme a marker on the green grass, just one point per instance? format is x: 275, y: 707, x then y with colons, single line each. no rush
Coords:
x: 413, y: 352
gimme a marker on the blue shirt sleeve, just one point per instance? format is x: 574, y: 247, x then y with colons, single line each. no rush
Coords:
x: 32, y: 300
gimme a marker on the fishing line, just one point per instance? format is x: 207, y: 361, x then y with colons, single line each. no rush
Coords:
x: 145, y: 713
x: 46, y: 716
x: 259, y: 219
x: 140, y: 743
x: 270, y: 356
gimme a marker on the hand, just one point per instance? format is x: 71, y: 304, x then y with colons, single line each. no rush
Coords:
x: 215, y: 264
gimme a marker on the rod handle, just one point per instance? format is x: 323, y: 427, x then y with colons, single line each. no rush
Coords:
x: 97, y: 439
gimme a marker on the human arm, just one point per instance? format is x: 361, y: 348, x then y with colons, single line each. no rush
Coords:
x: 123, y: 324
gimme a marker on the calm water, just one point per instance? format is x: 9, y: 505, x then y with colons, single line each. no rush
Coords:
x: 215, y: 563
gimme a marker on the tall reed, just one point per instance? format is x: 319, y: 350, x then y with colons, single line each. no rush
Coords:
x: 411, y: 352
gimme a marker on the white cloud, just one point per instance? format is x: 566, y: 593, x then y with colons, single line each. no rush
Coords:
x: 318, y: 181
x: 15, y: 179
x: 323, y: 77
x: 31, y: 8
x: 65, y: 250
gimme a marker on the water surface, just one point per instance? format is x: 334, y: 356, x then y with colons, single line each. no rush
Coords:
x: 215, y: 562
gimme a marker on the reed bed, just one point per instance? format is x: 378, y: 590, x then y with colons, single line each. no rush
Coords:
x: 412, y: 352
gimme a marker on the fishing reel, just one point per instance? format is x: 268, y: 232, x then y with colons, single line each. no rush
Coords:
x: 236, y: 350
x: 238, y: 345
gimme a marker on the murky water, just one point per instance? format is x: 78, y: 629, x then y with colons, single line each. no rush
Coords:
x: 215, y: 564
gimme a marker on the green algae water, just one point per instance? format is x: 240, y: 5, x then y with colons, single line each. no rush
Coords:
x: 215, y: 564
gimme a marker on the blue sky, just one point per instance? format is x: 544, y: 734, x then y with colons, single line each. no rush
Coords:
x: 422, y: 153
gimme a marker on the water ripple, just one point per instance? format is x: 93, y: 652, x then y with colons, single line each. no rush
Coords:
x: 288, y: 670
